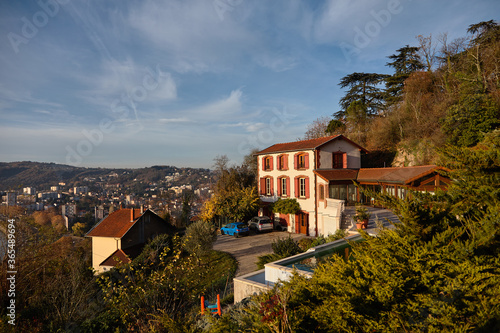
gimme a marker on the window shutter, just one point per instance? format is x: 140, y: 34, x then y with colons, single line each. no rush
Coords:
x: 288, y: 186
x: 263, y: 163
x: 344, y: 159
x: 307, y: 187
x: 295, y: 161
x: 271, y: 163
x: 271, y: 181
x: 306, y: 160
x: 279, y: 186
x: 296, y: 187
x: 285, y: 162
x: 262, y: 186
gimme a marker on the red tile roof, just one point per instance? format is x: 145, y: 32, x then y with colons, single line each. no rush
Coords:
x: 395, y: 175
x: 118, y: 257
x: 303, y: 145
x: 116, y: 224
x: 337, y: 174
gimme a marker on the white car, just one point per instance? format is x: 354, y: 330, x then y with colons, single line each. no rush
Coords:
x: 261, y: 223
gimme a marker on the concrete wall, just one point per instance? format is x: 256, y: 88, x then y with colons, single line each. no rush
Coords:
x: 249, y: 284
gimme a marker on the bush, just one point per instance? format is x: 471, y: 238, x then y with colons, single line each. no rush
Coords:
x: 285, y: 247
x: 282, y: 248
x: 200, y: 237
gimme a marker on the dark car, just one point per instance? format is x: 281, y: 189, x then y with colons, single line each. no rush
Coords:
x: 261, y: 223
x: 235, y: 229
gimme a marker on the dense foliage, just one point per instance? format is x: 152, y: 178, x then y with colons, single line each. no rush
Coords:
x: 440, y: 92
x: 439, y: 270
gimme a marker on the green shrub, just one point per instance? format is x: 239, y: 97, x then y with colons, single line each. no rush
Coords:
x: 200, y: 237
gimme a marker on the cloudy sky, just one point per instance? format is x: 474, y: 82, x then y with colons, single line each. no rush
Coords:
x: 141, y: 83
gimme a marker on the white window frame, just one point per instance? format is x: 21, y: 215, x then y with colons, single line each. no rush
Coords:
x: 268, y: 186
x: 283, y: 187
x: 302, y: 187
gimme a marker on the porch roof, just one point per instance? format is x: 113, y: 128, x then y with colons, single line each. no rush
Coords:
x: 337, y: 174
x: 395, y: 175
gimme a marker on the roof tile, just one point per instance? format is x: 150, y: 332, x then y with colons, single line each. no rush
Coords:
x: 116, y: 224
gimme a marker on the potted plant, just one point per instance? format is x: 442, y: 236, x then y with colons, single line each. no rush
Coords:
x: 362, y: 216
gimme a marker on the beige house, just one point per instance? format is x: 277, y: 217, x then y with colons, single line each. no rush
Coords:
x: 321, y: 174
x: 121, y: 235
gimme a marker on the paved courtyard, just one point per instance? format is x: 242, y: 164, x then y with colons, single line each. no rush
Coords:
x: 247, y: 249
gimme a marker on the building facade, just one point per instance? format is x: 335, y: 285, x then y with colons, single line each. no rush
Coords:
x: 322, y: 174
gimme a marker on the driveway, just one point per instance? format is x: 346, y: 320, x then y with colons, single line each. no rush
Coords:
x: 247, y: 249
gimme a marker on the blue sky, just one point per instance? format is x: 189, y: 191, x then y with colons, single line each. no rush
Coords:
x: 141, y: 83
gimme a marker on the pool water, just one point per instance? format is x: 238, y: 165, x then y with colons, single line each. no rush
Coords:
x: 309, y: 263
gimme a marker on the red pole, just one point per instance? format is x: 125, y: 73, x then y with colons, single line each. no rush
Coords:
x: 218, y: 305
x: 202, y: 304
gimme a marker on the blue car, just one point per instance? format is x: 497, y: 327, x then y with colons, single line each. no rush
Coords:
x: 235, y: 229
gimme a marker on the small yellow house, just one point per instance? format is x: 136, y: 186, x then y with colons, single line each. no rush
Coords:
x: 120, y: 236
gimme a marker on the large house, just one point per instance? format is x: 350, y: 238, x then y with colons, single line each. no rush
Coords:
x: 121, y: 235
x: 321, y: 174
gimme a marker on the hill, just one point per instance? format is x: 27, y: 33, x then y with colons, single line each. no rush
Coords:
x: 16, y: 175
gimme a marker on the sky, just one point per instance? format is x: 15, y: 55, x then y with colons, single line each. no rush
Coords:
x: 140, y: 83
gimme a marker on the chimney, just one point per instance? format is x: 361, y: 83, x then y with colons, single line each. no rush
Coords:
x: 131, y: 214
x: 142, y: 209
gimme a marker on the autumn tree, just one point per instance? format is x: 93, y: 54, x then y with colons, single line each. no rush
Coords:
x: 318, y: 128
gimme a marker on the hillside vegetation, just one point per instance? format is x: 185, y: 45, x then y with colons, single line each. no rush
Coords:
x: 441, y: 92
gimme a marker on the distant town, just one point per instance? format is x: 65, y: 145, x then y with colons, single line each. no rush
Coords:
x: 88, y: 195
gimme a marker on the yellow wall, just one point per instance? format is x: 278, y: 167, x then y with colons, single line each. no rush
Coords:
x: 102, y: 248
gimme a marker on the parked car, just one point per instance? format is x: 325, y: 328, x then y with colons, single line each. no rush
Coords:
x: 235, y: 229
x: 261, y: 223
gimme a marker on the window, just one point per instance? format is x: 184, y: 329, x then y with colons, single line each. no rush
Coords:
x: 302, y: 187
x: 268, y: 186
x: 339, y: 160
x: 301, y: 161
x: 284, y: 191
x: 283, y: 162
x: 267, y: 163
x: 321, y: 192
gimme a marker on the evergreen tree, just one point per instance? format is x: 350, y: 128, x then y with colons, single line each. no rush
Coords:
x: 405, y: 62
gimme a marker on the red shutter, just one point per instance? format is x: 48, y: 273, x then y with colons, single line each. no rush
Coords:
x: 306, y: 160
x: 262, y: 186
x: 296, y: 187
x: 271, y: 163
x: 307, y: 187
x: 288, y: 187
x: 263, y: 163
x: 295, y: 161
x: 279, y: 186
x: 344, y: 158
x: 285, y: 162
x: 271, y: 180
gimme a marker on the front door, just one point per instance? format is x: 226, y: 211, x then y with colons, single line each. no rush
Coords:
x: 302, y: 223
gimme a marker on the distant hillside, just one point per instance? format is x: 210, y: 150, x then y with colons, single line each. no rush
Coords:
x: 16, y: 175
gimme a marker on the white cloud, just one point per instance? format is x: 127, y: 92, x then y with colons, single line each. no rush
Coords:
x: 191, y: 34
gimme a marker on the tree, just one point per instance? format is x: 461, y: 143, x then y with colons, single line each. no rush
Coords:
x: 317, y: 129
x: 363, y: 88
x: 472, y: 116
x: 438, y: 270
x: 200, y: 237
x: 405, y: 62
